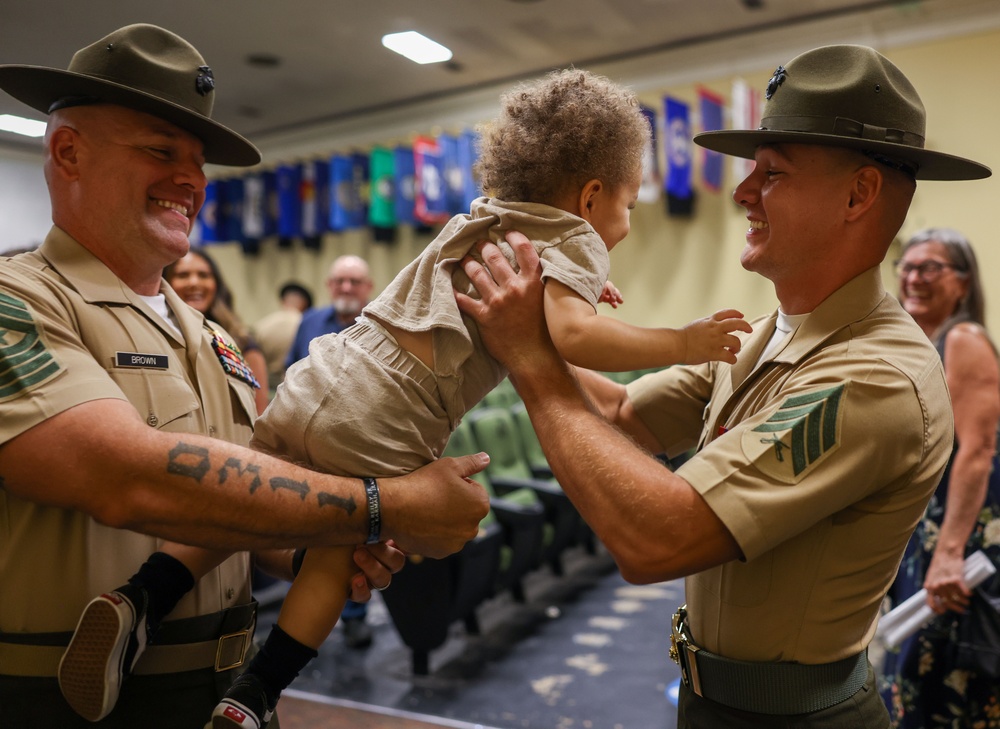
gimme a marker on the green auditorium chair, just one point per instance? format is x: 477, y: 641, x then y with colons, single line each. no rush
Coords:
x: 496, y: 433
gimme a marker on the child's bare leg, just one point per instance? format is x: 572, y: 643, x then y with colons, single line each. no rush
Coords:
x: 115, y: 627
x: 308, y: 614
x: 317, y: 596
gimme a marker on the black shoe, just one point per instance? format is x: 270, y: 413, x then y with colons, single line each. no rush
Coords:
x: 245, y: 706
x: 110, y: 637
x: 357, y: 634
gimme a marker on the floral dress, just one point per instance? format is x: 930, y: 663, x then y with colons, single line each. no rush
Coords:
x: 920, y: 683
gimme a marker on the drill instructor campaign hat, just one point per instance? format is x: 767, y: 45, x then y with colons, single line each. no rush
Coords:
x: 142, y: 67
x: 846, y: 96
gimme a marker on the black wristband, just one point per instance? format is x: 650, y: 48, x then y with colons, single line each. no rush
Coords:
x: 374, y: 510
x: 297, y: 556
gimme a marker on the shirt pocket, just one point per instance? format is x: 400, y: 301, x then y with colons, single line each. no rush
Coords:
x: 163, y: 399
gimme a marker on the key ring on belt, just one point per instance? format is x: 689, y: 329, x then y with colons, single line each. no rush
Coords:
x: 683, y: 651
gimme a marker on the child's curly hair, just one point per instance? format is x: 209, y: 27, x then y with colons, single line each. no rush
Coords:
x: 559, y: 132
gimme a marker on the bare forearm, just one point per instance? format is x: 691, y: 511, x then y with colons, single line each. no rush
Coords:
x: 605, y: 344
x: 967, y: 487
x: 207, y: 492
x: 655, y: 525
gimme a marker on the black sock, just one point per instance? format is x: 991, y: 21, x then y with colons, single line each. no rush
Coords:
x: 166, y: 580
x: 279, y: 662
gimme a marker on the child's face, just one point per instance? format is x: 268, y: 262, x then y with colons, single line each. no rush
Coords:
x: 611, y: 210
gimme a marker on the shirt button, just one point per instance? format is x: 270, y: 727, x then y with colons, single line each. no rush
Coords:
x: 229, y: 593
x: 152, y: 420
x: 211, y: 430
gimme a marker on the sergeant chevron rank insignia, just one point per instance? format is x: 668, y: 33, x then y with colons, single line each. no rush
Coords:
x: 798, y: 435
x: 25, y: 362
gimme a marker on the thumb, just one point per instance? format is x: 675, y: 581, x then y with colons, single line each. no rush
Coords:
x: 471, y: 465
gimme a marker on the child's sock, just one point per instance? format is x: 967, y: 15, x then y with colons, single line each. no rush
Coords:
x: 279, y: 662
x: 166, y: 580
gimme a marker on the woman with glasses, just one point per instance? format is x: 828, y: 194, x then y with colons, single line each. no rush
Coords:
x: 928, y: 683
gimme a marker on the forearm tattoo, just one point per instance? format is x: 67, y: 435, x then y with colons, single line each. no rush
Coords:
x: 193, y: 462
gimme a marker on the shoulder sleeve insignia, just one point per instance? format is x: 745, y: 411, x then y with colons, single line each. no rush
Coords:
x: 798, y: 435
x: 25, y: 362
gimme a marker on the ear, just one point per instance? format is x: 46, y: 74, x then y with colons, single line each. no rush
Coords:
x: 587, y: 198
x: 866, y: 187
x: 64, y: 151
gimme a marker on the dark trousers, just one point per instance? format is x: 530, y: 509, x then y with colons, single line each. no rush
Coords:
x: 864, y: 710
x: 170, y: 701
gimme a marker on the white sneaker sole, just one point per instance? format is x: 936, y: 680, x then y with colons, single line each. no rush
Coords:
x: 90, y: 671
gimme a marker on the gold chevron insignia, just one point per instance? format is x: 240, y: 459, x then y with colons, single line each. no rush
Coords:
x: 25, y: 362
x: 798, y: 434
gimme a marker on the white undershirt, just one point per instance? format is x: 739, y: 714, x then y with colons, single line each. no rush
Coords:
x: 158, y: 304
x: 783, y: 328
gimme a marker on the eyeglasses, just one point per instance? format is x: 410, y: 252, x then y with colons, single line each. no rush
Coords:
x: 928, y: 271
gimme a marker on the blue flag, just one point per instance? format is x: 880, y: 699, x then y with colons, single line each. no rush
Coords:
x: 314, y: 192
x: 431, y: 204
x: 342, y: 197
x: 649, y: 189
x: 405, y: 185
x: 360, y: 194
x: 467, y: 156
x: 711, y: 120
x: 451, y: 172
x: 270, y: 203
x: 208, y: 216
x: 233, y: 209
x: 289, y: 202
x: 677, y: 181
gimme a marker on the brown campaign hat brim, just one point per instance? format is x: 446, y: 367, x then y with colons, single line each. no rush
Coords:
x: 39, y: 87
x: 930, y: 165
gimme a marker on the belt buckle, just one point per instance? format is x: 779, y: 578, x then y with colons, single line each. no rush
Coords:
x: 224, y: 642
x: 683, y: 651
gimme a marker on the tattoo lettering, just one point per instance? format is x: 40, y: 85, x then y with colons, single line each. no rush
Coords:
x: 347, y: 504
x: 237, y: 464
x: 188, y: 460
x: 299, y: 487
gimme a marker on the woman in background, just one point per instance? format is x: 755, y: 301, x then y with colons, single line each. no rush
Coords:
x: 197, y: 280
x: 925, y: 686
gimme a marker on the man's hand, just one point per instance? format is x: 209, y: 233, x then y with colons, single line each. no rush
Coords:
x: 378, y: 563
x: 436, y: 509
x: 510, y: 312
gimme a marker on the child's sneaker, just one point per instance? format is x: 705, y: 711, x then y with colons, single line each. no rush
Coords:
x: 245, y: 706
x: 108, y: 640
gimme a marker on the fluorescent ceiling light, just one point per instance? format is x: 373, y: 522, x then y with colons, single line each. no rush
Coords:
x: 20, y: 125
x: 416, y: 47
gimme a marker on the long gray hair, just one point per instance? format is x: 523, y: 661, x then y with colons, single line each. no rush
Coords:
x: 963, y: 259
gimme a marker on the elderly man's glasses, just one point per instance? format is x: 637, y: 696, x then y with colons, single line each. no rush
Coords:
x: 928, y: 271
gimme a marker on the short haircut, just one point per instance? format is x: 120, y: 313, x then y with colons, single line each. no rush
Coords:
x: 295, y: 288
x: 557, y: 133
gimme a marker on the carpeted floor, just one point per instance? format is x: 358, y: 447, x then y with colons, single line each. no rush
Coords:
x: 586, y: 650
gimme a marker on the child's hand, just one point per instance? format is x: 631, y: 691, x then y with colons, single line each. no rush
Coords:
x: 611, y: 295
x: 711, y: 338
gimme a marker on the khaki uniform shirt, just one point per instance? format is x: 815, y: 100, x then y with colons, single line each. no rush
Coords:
x: 70, y: 333
x: 819, y: 462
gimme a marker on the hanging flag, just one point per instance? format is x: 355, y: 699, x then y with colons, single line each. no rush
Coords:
x: 289, y: 204
x: 452, y: 174
x: 314, y: 194
x: 468, y: 153
x: 677, y: 149
x: 341, y: 192
x: 649, y: 189
x: 208, y: 217
x: 270, y: 178
x: 430, y: 204
x: 360, y: 192
x: 405, y: 187
x: 253, y: 206
x: 711, y: 120
x: 747, y: 106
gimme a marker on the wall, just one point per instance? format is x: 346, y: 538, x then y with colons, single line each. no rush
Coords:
x: 670, y: 270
